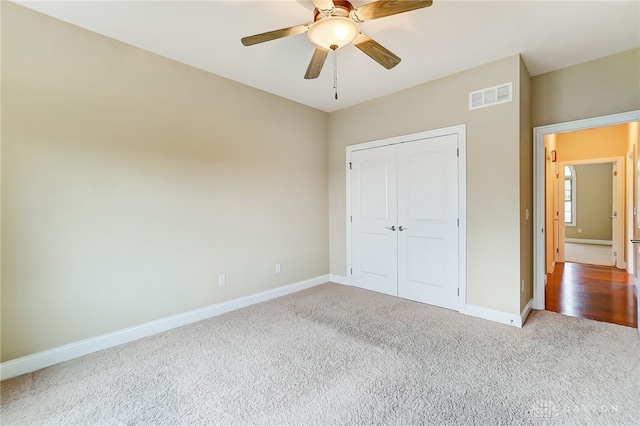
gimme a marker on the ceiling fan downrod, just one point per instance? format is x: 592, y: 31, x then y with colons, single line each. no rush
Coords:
x: 335, y: 69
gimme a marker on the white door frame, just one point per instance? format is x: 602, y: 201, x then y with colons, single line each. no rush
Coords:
x: 630, y: 207
x: 539, y: 275
x: 459, y: 130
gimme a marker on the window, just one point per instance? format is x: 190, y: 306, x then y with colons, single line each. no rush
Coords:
x: 569, y: 195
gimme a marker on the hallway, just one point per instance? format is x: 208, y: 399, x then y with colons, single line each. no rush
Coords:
x: 602, y: 293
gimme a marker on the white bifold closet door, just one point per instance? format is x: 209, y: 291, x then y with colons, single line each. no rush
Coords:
x: 404, y: 231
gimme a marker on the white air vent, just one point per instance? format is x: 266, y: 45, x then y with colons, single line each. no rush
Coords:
x: 491, y: 96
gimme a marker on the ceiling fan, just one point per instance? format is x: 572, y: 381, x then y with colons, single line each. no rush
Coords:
x: 336, y: 24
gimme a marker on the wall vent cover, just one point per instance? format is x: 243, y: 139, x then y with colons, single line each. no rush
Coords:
x: 490, y: 96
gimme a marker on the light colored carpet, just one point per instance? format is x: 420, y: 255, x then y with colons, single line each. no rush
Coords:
x: 592, y: 254
x: 339, y: 355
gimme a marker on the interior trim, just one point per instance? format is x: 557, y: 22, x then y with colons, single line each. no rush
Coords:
x: 539, y: 275
x: 47, y: 358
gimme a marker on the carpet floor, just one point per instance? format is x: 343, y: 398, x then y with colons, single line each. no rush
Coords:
x: 338, y: 355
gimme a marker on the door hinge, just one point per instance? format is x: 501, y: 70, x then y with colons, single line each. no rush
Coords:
x: 557, y: 250
x: 458, y: 222
x: 349, y: 166
x: 615, y: 173
x: 458, y: 292
x: 457, y: 152
x: 351, y: 271
x: 350, y: 218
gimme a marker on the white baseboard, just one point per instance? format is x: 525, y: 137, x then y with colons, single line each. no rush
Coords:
x: 338, y: 279
x: 37, y: 361
x: 587, y: 241
x: 495, y: 316
x: 525, y: 312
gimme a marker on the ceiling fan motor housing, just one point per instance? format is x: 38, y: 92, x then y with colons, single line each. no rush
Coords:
x: 341, y: 8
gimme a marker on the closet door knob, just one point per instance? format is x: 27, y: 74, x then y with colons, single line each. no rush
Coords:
x: 400, y: 228
x: 393, y: 227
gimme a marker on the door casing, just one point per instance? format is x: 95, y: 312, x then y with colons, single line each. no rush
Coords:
x: 460, y: 131
x: 539, y: 275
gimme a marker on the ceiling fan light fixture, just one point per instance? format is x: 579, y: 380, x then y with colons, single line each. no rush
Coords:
x: 333, y: 31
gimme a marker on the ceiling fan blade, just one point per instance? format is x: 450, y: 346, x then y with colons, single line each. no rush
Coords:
x: 376, y: 51
x: 317, y: 61
x: 276, y: 34
x: 323, y: 4
x: 382, y: 8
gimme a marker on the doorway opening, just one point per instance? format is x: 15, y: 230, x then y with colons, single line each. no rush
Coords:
x: 589, y: 224
x: 555, y: 204
x: 592, y: 224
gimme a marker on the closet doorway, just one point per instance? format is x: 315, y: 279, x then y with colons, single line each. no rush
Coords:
x: 404, y: 217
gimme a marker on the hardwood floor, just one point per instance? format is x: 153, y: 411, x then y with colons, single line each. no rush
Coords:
x: 602, y: 293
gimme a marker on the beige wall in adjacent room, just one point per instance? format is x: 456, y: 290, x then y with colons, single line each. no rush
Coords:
x: 130, y: 182
x: 593, y: 144
x: 589, y: 144
x: 594, y: 197
x: 550, y: 170
x: 579, y: 146
x: 493, y: 170
x: 604, y: 86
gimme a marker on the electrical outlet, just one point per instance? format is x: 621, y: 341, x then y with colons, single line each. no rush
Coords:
x: 277, y: 268
x: 222, y: 279
x: 579, y: 230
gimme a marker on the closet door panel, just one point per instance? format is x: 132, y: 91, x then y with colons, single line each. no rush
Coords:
x: 428, y: 221
x: 374, y: 216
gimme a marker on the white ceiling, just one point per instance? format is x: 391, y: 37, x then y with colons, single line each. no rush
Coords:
x: 448, y: 37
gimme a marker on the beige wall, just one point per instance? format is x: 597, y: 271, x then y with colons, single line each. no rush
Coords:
x: 604, y: 86
x: 129, y: 182
x: 526, y: 188
x: 594, y: 197
x: 493, y: 170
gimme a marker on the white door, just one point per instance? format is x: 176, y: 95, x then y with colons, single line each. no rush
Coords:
x: 374, y: 220
x: 428, y: 221
x: 404, y: 230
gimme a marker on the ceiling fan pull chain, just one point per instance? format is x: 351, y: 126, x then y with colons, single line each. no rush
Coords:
x: 335, y: 69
